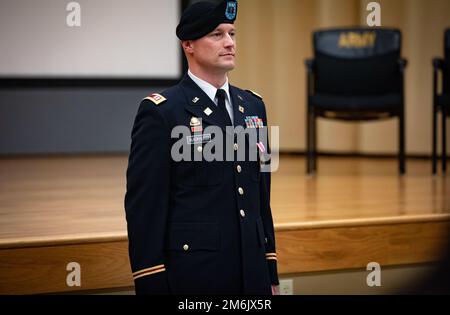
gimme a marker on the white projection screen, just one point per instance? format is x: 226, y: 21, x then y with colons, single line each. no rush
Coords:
x: 115, y: 39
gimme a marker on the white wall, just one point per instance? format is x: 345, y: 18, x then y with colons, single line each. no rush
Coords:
x: 116, y: 38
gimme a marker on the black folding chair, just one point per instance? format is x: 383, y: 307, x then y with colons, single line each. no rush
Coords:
x: 357, y: 74
x: 441, y: 102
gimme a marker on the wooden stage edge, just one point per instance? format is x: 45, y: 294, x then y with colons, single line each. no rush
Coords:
x: 88, y: 238
x: 356, y: 211
x: 39, y: 266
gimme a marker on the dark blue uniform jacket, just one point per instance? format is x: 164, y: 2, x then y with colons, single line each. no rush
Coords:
x: 197, y: 227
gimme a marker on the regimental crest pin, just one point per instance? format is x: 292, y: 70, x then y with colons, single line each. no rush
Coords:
x: 208, y: 111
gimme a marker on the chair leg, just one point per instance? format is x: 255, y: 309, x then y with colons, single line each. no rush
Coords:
x: 401, y: 142
x: 314, y: 144
x: 444, y: 140
x: 308, y: 142
x: 434, y: 154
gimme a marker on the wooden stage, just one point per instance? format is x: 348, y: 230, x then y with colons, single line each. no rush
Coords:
x: 58, y: 210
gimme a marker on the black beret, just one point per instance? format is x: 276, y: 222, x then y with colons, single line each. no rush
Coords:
x: 203, y: 17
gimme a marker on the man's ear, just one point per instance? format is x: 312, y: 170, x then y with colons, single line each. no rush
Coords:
x: 188, y: 46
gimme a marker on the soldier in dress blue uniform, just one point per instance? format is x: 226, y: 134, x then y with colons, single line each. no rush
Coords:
x: 200, y: 227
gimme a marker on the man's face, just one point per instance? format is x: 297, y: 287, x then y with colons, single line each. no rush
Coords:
x: 216, y: 51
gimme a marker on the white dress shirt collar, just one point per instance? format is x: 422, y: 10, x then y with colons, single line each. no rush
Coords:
x: 208, y: 88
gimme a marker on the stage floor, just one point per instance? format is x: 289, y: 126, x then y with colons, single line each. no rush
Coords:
x: 60, y: 199
x: 57, y: 210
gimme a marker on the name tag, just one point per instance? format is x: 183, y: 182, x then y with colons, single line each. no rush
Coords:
x: 197, y: 139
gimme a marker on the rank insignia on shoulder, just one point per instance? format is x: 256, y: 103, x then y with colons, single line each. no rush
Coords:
x: 156, y: 98
x: 254, y: 93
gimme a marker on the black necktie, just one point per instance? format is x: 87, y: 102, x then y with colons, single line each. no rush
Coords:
x: 221, y: 104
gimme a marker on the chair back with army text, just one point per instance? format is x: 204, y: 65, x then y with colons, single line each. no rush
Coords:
x: 357, y: 74
x: 441, y: 101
